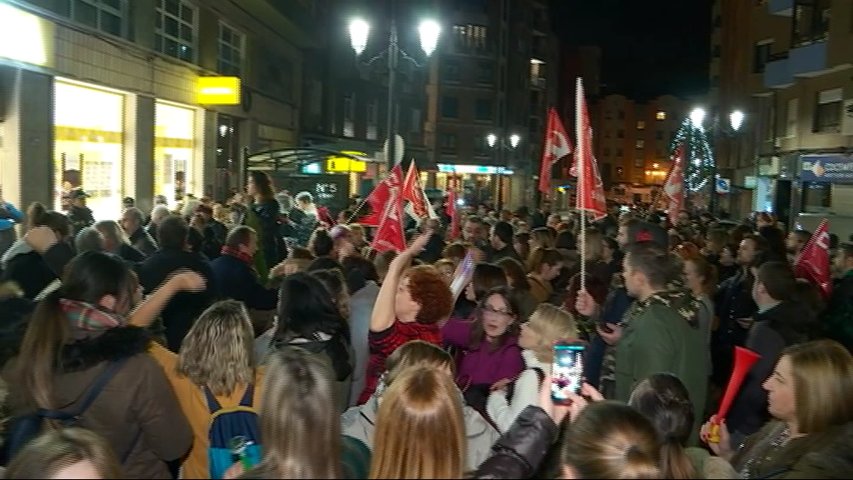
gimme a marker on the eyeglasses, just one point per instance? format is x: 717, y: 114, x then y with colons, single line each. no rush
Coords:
x: 488, y: 309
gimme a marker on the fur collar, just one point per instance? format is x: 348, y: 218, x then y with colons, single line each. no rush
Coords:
x: 113, y: 344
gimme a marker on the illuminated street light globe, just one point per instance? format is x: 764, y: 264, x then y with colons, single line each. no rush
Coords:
x: 697, y: 116
x: 514, y: 140
x: 736, y: 119
x: 429, y: 30
x: 491, y: 139
x: 358, y: 32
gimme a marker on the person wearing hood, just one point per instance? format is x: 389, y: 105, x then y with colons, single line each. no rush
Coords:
x: 781, y: 321
x: 660, y: 331
x: 360, y: 422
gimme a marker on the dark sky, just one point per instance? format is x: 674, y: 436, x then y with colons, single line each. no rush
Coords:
x: 649, y: 47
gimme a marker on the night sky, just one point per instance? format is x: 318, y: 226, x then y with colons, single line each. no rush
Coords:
x: 649, y: 47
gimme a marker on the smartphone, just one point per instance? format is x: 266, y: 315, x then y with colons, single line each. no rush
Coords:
x: 567, y: 370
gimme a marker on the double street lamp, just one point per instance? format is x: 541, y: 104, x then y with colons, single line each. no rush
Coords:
x: 697, y: 118
x: 501, y: 145
x: 359, y: 30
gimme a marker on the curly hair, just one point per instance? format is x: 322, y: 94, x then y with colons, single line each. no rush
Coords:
x: 431, y: 292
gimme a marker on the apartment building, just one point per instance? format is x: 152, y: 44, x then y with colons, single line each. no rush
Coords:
x: 144, y: 97
x: 789, y: 65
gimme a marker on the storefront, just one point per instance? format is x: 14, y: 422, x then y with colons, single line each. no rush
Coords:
x: 88, y: 148
x: 476, y: 183
x: 177, y: 168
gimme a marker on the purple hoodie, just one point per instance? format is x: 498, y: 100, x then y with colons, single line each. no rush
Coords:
x: 481, y: 365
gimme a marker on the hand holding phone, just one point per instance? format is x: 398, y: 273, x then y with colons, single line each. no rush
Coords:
x: 567, y: 371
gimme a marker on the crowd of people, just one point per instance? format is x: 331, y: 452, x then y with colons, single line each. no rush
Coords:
x: 262, y: 338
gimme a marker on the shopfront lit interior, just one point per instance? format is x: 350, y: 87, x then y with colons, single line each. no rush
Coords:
x: 174, y: 151
x: 475, y: 183
x: 88, y: 148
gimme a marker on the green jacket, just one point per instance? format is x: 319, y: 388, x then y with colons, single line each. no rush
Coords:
x: 659, y: 338
x: 838, y: 316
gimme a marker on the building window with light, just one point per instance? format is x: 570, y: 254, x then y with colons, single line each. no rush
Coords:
x: 230, y: 50
x: 641, y: 144
x: 641, y: 125
x: 660, y: 115
x: 537, y: 72
x: 470, y: 37
x: 175, y: 29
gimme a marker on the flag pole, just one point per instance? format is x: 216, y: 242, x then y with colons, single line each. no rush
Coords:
x: 580, y: 150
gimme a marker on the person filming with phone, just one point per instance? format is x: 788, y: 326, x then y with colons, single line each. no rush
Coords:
x: 661, y: 330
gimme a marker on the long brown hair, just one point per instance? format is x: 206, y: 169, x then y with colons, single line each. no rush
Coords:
x: 88, y: 278
x: 420, y: 430
x: 301, y: 431
x: 823, y: 384
x: 263, y: 185
x: 478, y: 333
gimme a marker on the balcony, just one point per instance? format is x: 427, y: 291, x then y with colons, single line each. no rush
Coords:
x: 809, y: 58
x: 777, y: 71
x: 780, y: 7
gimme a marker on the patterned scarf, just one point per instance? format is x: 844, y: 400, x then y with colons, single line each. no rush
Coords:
x: 86, y: 318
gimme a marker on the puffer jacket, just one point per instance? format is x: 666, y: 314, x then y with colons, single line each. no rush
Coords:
x: 521, y: 450
x: 136, y: 413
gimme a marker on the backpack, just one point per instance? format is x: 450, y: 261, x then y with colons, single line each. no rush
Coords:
x: 227, y: 424
x: 23, y: 429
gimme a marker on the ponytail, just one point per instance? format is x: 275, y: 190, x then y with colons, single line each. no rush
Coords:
x: 40, y: 350
x: 639, y: 464
x: 674, y: 462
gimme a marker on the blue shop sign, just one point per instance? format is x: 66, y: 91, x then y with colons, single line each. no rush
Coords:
x: 827, y: 168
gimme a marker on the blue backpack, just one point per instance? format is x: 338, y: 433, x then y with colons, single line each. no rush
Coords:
x: 231, y: 429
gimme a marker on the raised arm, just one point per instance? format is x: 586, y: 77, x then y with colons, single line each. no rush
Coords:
x: 383, y: 310
x: 148, y: 310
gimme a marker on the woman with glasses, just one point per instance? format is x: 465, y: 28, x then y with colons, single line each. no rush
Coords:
x: 489, y: 357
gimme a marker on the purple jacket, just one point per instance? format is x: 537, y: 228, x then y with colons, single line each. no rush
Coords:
x: 481, y: 365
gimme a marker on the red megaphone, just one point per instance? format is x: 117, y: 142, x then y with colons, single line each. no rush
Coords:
x: 744, y: 360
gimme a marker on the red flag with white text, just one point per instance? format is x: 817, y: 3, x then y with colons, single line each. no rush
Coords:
x: 378, y: 199
x: 557, y: 146
x: 590, y: 196
x: 389, y: 235
x: 413, y: 192
x: 813, y: 261
x: 673, y: 186
x: 453, y: 214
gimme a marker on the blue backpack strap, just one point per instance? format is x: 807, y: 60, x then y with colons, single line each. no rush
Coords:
x: 249, y: 396
x: 212, y: 404
x: 97, y: 386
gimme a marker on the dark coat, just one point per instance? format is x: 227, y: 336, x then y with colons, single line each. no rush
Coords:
x: 142, y: 241
x: 136, y: 413
x: 30, y: 272
x: 520, y: 451
x: 184, y: 308
x: 235, y: 279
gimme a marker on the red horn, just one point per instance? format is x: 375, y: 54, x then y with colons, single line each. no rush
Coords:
x: 744, y: 360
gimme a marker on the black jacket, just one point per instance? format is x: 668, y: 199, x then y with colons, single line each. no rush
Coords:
x: 520, y: 451
x: 235, y: 279
x: 781, y: 326
x: 184, y: 308
x: 142, y: 241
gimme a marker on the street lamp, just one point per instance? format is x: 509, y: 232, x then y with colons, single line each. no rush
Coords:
x: 736, y: 120
x: 359, y: 31
x: 697, y: 118
x: 501, y: 145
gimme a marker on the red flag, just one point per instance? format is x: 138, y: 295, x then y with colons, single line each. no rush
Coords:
x: 389, y: 235
x: 673, y: 186
x: 590, y: 187
x: 557, y: 146
x: 813, y: 261
x: 413, y: 193
x: 380, y: 196
x: 451, y: 212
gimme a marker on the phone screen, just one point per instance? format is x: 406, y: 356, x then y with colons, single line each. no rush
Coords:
x: 566, y: 371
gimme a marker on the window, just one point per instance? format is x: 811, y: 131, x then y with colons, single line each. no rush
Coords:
x: 447, y: 140
x: 608, y: 115
x: 485, y: 72
x: 107, y: 16
x: 620, y: 133
x: 415, y: 126
x: 537, y: 73
x: 641, y: 125
x: 621, y: 115
x: 449, y: 107
x: 349, y: 115
x: 791, y: 115
x: 619, y: 172
x: 470, y: 37
x: 175, y: 33
x: 230, y: 50
x: 761, y: 55
x: 641, y: 144
x: 483, y: 109
x: 661, y: 115
x: 638, y: 162
x: 372, y: 120
x: 811, y: 21
x: 450, y: 71
x: 828, y: 111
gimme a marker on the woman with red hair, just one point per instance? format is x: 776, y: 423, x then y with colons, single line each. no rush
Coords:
x: 409, y: 306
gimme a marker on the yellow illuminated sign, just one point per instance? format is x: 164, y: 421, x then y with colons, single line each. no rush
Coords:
x: 346, y: 164
x: 25, y: 37
x: 218, y: 90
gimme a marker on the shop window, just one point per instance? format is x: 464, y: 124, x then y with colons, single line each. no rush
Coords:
x: 174, y: 150
x: 176, y: 29
x: 230, y: 50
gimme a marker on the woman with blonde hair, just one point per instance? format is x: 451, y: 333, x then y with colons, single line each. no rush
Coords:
x: 547, y: 325
x: 215, y: 363
x: 116, y: 242
x: 809, y: 396
x: 65, y: 453
x: 420, y: 429
x: 360, y: 422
